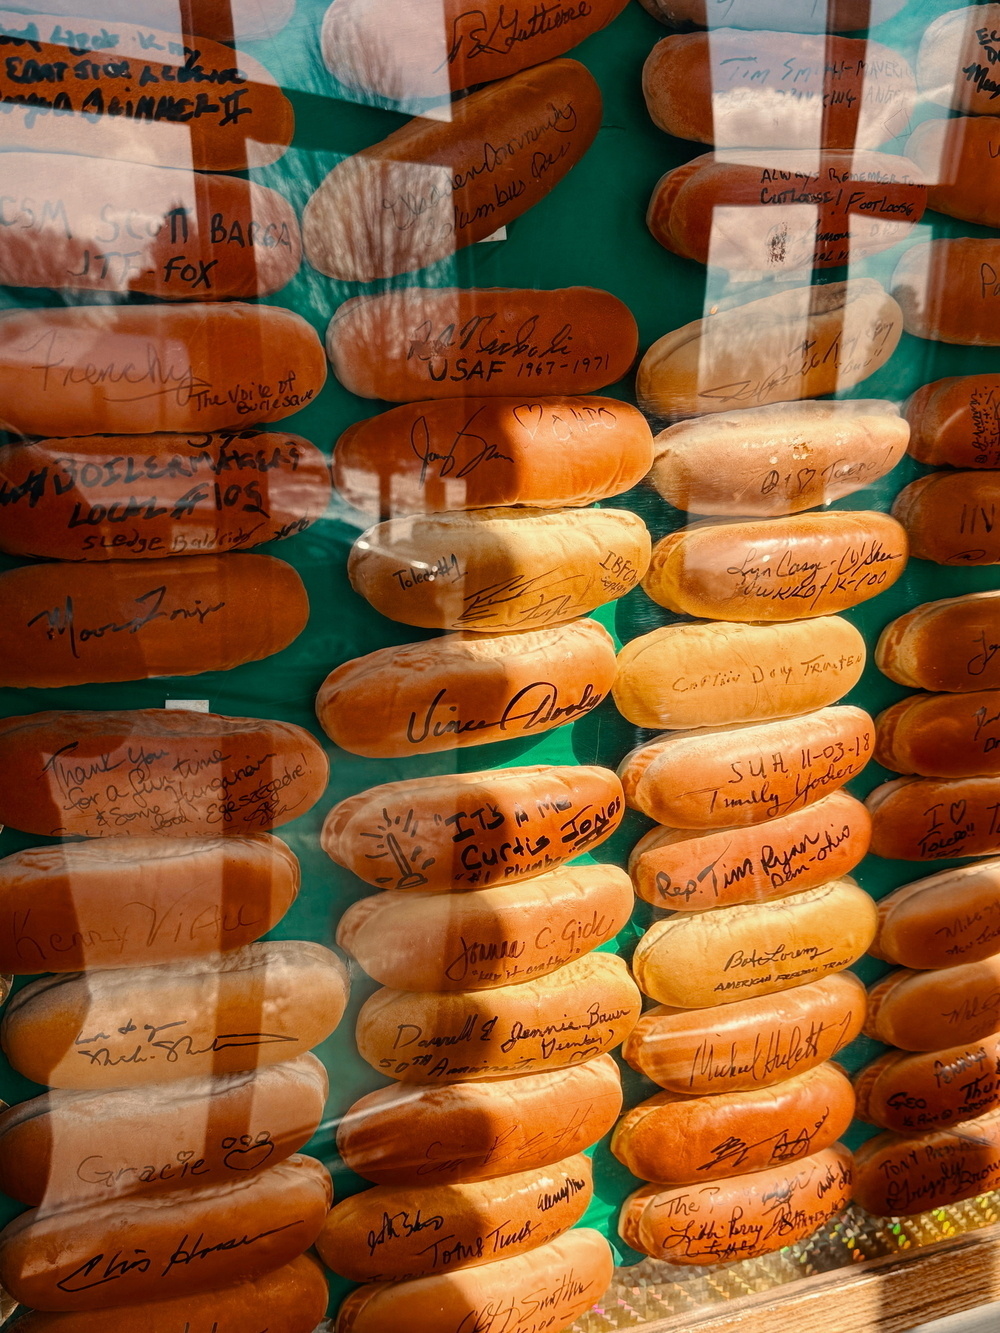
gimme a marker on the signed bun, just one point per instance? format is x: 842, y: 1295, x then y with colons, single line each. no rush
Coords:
x: 751, y: 355
x: 460, y: 690
x: 945, y: 645
x: 722, y: 776
x: 433, y: 834
x: 129, y: 901
x: 953, y: 917
x: 778, y: 90
x: 956, y: 422
x: 909, y: 1093
x: 949, y: 290
x: 579, y: 1011
x: 369, y: 1238
x: 930, y: 1011
x: 750, y: 1044
x: 495, y: 937
x: 897, y: 1176
x: 143, y: 369
x: 183, y: 773
x: 671, y: 677
x: 777, y: 460
x: 677, y: 1140
x: 295, y: 1298
x: 692, y: 872
x: 741, y: 1217
x: 950, y: 155
x: 696, y: 959
x: 437, y: 185
x: 777, y: 569
x: 941, y: 735
x: 158, y: 495
x: 492, y: 570
x: 949, y: 517
x: 473, y: 453
x: 750, y: 212
x: 956, y: 58
x: 557, y: 1282
x: 253, y: 1007
x: 221, y: 1235
x: 204, y: 237
x: 220, y: 19
x: 923, y: 819
x: 72, y: 1147
x: 411, y: 1135
x: 426, y: 48
x: 436, y: 342
x: 837, y: 16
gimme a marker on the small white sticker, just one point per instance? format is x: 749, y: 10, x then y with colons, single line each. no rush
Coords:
x: 499, y: 235
x: 188, y: 705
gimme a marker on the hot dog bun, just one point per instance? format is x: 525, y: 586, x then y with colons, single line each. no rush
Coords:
x: 953, y: 917
x: 143, y: 369
x: 777, y: 460
x: 671, y: 677
x: 957, y: 52
x: 956, y: 157
x: 922, y: 819
x: 949, y: 517
x: 495, y: 937
x: 158, y: 495
x: 128, y: 901
x: 220, y: 19
x: 751, y: 355
x: 186, y: 773
x: 750, y: 1044
x: 898, y: 1176
x: 722, y: 776
x: 437, y: 342
x: 837, y: 16
x: 580, y: 1011
x: 411, y: 1135
x: 911, y: 1093
x: 956, y: 422
x: 677, y: 1140
x: 433, y: 834
x: 253, y: 1007
x: 435, y: 186
x: 941, y: 735
x: 466, y: 690
x: 492, y: 570
x: 930, y: 1011
x: 944, y: 645
x: 949, y: 290
x: 68, y: 1148
x: 692, y: 872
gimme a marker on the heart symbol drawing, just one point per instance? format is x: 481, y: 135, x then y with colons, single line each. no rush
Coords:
x: 957, y: 811
x: 529, y: 417
x: 250, y: 1158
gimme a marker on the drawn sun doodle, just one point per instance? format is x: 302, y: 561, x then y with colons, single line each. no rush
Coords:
x: 396, y: 840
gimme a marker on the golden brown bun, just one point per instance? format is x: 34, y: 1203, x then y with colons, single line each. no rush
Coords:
x: 186, y: 773
x: 837, y: 16
x: 949, y: 290
x: 77, y: 1147
x: 557, y: 1283
x: 411, y: 1135
x: 692, y: 872
x: 473, y: 453
x: 931, y: 1011
x: 465, y: 831
x: 106, y: 107
x: 923, y: 819
x: 913, y: 1093
x: 677, y: 1140
x: 777, y: 460
x: 393, y: 1233
x: 254, y: 1007
x: 143, y: 369
x: 778, y: 90
x: 698, y: 675
x: 426, y: 48
x: 777, y: 569
x: 750, y: 1044
x: 957, y: 159
x: 945, y: 645
x: 434, y: 342
x: 741, y: 1217
x: 158, y: 495
x: 580, y: 1011
x: 722, y: 776
x: 773, y: 211
x: 497, y: 937
x: 897, y: 1176
x: 956, y: 60
x: 466, y: 690
x: 693, y: 960
x: 295, y: 1298
x: 128, y: 901
x: 435, y: 186
x: 751, y: 355
x: 219, y: 19
x: 491, y: 570
x: 949, y: 517
x: 956, y: 421
x: 952, y: 917
x: 941, y: 735
x: 99, y: 1256
x: 204, y: 238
